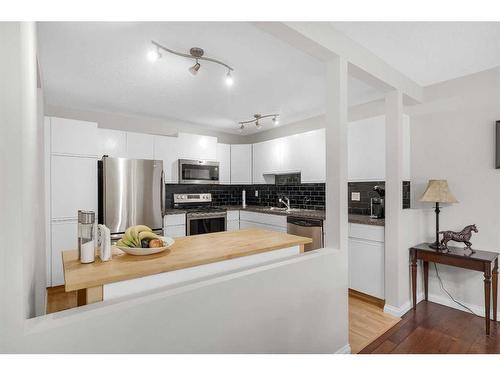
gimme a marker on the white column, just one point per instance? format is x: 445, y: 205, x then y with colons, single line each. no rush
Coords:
x: 393, y: 197
x: 336, y: 226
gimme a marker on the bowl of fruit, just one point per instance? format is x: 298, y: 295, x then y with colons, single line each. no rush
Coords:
x: 141, y: 240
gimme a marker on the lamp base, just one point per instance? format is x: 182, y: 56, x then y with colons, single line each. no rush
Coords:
x: 437, y: 246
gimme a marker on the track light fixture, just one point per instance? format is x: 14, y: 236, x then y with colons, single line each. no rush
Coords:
x: 257, y: 118
x: 196, y: 54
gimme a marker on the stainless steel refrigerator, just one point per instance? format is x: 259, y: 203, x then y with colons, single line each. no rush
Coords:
x: 131, y: 192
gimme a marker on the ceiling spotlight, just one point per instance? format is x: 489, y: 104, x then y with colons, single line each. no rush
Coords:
x: 194, y: 69
x: 258, y: 117
x: 229, y: 79
x: 154, y: 55
x: 195, y: 53
x: 242, y: 127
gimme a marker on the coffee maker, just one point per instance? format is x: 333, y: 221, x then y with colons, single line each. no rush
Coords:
x: 377, y: 204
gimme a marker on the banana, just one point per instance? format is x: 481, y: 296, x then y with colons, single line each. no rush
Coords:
x: 147, y: 236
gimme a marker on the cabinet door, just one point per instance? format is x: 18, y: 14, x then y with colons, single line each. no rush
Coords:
x: 112, y: 143
x: 198, y: 147
x: 64, y: 237
x: 175, y: 231
x: 224, y: 159
x: 73, y: 137
x: 366, y: 267
x: 140, y: 146
x: 165, y: 149
x: 366, y: 149
x: 73, y: 185
x: 241, y: 164
x: 233, y: 225
x: 267, y: 157
x: 312, y: 162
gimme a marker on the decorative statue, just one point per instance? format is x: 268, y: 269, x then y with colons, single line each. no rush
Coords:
x: 463, y: 236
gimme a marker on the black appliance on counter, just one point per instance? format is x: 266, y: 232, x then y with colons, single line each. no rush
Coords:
x: 377, y: 204
x: 201, y: 216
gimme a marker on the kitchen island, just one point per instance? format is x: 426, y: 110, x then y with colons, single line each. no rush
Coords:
x: 189, y: 258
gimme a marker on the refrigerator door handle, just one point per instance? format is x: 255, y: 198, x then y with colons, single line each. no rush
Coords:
x: 162, y: 195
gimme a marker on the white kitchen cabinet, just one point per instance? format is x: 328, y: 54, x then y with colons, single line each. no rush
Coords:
x: 366, y: 149
x: 241, y: 164
x: 166, y: 149
x: 249, y: 219
x: 174, y: 225
x: 73, y: 185
x: 233, y: 220
x: 367, y: 259
x: 73, y: 137
x: 64, y: 236
x: 112, y: 143
x: 303, y: 153
x: 198, y: 147
x: 140, y: 146
x: 224, y: 159
x: 266, y: 161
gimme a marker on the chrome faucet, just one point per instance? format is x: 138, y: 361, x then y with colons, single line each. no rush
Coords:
x: 286, y: 202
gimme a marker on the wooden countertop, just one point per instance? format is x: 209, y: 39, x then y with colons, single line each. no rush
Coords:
x: 185, y: 252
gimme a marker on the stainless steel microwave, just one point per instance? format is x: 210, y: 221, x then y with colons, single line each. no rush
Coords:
x: 198, y: 172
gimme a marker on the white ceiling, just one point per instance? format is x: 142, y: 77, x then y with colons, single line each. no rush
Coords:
x: 103, y: 66
x: 430, y: 52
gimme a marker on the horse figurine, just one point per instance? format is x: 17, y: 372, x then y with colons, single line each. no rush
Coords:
x: 463, y: 236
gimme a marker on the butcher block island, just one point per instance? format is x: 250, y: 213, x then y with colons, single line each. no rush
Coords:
x: 189, y: 258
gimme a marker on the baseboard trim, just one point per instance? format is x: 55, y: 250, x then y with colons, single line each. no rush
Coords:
x: 442, y: 300
x: 403, y: 309
x: 367, y: 298
x: 344, y: 350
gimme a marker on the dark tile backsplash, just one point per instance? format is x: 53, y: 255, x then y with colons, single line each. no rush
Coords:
x: 306, y: 196
x: 366, y: 193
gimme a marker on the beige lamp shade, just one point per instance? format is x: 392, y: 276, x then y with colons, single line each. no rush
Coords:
x: 438, y: 191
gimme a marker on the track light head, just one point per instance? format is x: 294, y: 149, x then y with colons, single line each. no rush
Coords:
x: 275, y: 120
x: 242, y: 128
x: 229, y: 79
x: 258, y: 125
x: 154, y: 55
x: 194, y: 69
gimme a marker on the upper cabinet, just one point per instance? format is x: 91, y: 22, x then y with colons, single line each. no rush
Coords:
x: 165, y: 148
x: 366, y: 149
x: 73, y: 137
x: 140, y: 146
x: 224, y: 159
x: 198, y: 147
x: 241, y: 164
x: 112, y: 143
x: 302, y: 153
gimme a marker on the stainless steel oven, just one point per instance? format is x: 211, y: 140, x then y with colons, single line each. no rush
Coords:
x: 198, y: 172
x: 205, y: 222
x: 201, y: 216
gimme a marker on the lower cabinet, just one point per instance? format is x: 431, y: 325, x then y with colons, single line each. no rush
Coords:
x: 366, y: 259
x: 64, y: 237
x: 174, y: 225
x: 250, y: 219
x: 233, y: 220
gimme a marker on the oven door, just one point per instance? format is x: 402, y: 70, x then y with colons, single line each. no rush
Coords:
x: 198, y: 172
x: 205, y: 224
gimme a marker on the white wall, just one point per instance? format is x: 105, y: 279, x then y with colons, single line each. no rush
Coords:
x: 287, y: 307
x: 22, y: 252
x: 453, y: 138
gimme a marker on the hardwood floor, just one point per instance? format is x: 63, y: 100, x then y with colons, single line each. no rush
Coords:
x: 367, y: 322
x: 435, y: 328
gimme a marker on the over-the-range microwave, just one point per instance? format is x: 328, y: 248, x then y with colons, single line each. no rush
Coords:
x: 198, y: 171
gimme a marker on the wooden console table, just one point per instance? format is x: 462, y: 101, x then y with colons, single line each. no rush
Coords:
x: 483, y: 261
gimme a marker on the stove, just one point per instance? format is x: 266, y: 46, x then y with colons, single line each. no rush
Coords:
x: 201, y: 216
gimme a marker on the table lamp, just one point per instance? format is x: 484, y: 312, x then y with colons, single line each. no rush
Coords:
x: 437, y: 192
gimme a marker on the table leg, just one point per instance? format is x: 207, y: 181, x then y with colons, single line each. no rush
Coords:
x: 89, y: 295
x: 426, y: 280
x: 495, y: 289
x: 487, y: 297
x: 414, y: 277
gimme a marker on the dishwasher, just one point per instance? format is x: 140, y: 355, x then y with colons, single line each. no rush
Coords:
x: 311, y: 228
